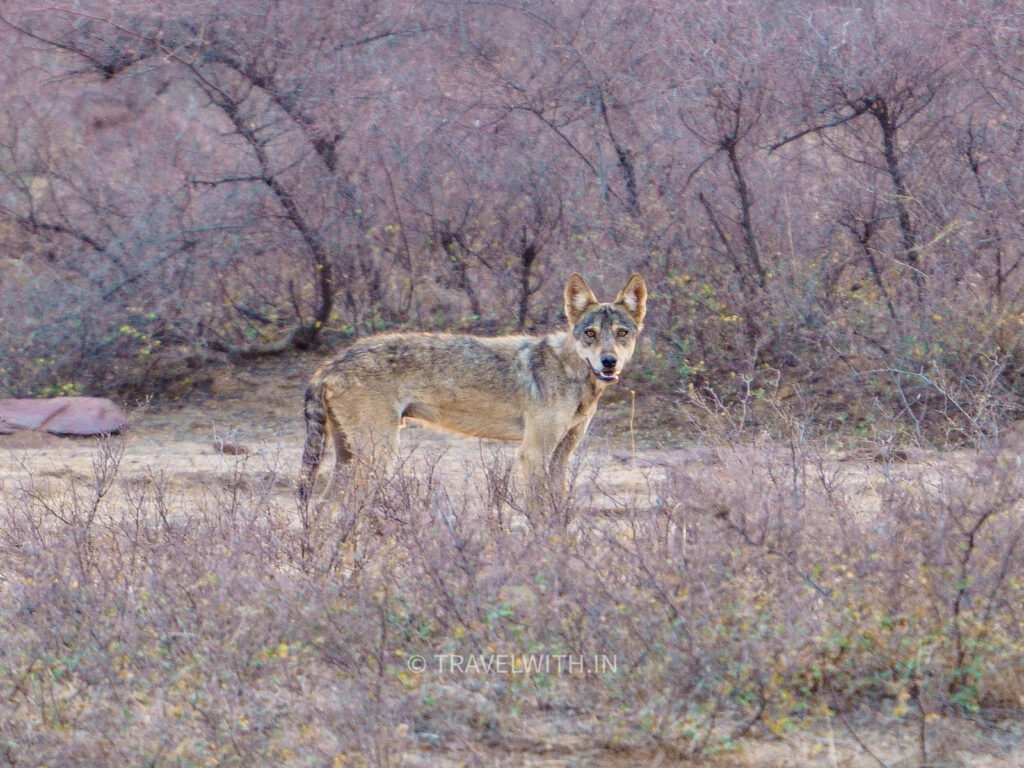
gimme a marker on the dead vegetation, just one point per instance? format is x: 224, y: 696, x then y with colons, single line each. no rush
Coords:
x: 732, y: 602
x: 823, y: 567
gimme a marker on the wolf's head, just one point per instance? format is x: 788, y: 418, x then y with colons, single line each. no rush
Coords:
x: 605, y: 334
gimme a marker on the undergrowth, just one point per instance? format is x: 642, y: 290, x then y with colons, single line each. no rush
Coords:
x: 754, y: 591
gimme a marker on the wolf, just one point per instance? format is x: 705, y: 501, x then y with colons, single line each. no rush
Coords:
x: 539, y: 390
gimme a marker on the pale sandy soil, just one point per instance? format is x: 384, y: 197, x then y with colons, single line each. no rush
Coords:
x: 253, y: 419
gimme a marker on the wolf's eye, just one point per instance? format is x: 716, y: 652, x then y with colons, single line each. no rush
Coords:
x: 623, y: 332
x: 590, y: 333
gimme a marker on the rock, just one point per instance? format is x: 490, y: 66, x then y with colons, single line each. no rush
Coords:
x: 62, y: 415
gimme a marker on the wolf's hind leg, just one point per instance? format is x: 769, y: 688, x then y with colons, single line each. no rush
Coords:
x: 342, y: 454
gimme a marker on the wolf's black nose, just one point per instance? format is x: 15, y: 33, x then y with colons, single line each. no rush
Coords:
x: 608, y: 362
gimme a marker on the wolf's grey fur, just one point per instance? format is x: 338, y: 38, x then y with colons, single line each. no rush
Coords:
x: 539, y: 390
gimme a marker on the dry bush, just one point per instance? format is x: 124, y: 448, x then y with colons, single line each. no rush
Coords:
x: 766, y: 589
x: 824, y: 200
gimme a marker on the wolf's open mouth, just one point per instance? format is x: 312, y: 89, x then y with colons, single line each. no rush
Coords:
x: 605, y: 375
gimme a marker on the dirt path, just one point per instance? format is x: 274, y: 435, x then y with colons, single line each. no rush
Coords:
x: 251, y: 418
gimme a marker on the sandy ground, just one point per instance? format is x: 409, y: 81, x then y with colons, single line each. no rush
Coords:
x: 253, y: 417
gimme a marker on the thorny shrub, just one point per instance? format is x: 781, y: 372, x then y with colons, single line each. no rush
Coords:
x: 825, y: 197
x: 754, y: 589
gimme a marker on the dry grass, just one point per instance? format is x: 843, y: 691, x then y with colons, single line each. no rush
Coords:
x: 163, y: 603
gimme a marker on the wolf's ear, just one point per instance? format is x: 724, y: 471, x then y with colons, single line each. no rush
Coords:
x: 633, y: 298
x: 578, y: 298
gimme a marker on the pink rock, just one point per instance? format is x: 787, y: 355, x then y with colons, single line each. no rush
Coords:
x: 62, y: 415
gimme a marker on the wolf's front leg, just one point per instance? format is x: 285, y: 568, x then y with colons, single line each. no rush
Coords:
x: 559, y: 467
x: 542, y: 463
x: 532, y: 471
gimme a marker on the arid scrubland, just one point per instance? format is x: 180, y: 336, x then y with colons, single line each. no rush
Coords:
x: 825, y: 198
x: 735, y: 602
x: 799, y: 545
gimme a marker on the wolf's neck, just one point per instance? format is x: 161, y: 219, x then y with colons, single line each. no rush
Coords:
x: 563, y: 346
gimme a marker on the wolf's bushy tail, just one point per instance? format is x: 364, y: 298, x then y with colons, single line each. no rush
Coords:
x: 315, y: 411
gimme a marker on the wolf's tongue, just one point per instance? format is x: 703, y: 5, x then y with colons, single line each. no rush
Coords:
x: 604, y: 374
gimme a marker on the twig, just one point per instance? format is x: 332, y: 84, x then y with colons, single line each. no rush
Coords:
x: 860, y: 743
x: 770, y: 550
